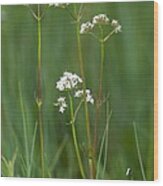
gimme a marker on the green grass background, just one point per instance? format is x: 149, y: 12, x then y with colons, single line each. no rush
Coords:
x: 128, y: 78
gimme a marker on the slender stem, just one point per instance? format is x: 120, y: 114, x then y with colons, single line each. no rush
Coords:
x: 102, y: 47
x: 109, y: 35
x: 24, y: 130
x: 138, y: 151
x: 98, y: 103
x: 77, y: 16
x: 75, y: 138
x: 71, y: 14
x: 77, y: 109
x: 32, y: 12
x: 89, y: 143
x: 39, y: 94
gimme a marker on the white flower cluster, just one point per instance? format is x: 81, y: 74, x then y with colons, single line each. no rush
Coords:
x: 89, y: 97
x: 61, y: 103
x: 100, y: 19
x: 68, y: 81
x: 116, y: 26
x: 60, y: 5
x: 86, y: 27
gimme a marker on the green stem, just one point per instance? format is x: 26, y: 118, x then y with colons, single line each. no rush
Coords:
x: 24, y: 130
x: 109, y: 35
x: 39, y: 94
x: 75, y: 138
x: 101, y: 69
x: 138, y: 151
x: 98, y: 103
x: 90, y: 152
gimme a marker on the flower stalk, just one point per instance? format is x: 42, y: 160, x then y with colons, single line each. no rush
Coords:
x: 90, y: 150
x: 75, y: 137
x: 39, y: 92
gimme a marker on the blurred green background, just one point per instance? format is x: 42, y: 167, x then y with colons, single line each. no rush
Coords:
x: 128, y: 78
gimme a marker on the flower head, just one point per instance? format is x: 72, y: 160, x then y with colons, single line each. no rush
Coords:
x: 117, y: 27
x: 100, y: 19
x: 86, y: 27
x: 61, y: 103
x: 80, y: 93
x: 68, y: 81
x: 61, y: 5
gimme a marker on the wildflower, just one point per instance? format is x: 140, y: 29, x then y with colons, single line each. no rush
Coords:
x: 68, y: 81
x: 117, y: 27
x: 61, y: 5
x: 80, y: 93
x: 114, y: 23
x: 61, y: 103
x: 100, y: 19
x: 86, y: 27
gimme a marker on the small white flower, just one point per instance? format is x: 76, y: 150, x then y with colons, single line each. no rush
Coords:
x: 118, y: 29
x: 61, y: 103
x: 78, y: 93
x: 89, y: 98
x: 61, y: 5
x: 116, y: 25
x: 86, y: 27
x: 68, y: 81
x: 100, y: 19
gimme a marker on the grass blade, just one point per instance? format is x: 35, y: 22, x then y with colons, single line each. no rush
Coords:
x: 104, y: 141
x: 24, y: 128
x: 138, y: 151
x: 33, y: 147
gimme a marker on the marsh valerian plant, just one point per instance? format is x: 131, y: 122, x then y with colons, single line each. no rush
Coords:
x: 70, y: 83
x: 101, y: 22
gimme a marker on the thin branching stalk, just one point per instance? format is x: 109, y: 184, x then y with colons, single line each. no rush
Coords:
x: 38, y: 17
x: 139, y: 152
x: 90, y: 150
x: 77, y: 16
x: 75, y: 138
x: 39, y: 93
x: 24, y: 130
